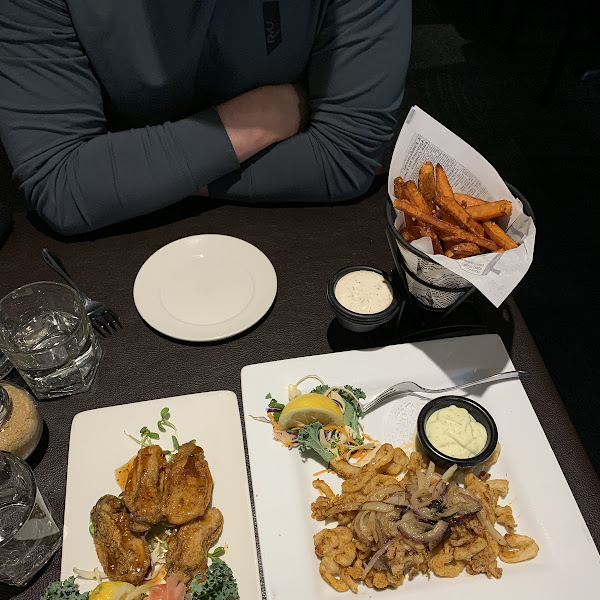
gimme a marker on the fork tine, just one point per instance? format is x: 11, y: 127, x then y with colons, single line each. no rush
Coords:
x: 107, y: 323
x: 97, y: 327
x: 109, y: 319
x: 101, y: 321
x: 115, y: 317
x: 382, y: 398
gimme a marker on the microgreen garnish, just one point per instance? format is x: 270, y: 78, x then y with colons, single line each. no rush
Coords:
x: 217, y: 552
x: 148, y: 437
x: 164, y: 420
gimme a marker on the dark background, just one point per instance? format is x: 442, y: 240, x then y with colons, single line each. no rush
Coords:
x: 516, y: 80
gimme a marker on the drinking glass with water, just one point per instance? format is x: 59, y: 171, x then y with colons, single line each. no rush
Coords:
x: 28, y: 534
x: 46, y: 334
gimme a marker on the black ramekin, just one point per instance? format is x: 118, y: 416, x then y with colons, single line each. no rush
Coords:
x: 356, y: 321
x: 477, y: 411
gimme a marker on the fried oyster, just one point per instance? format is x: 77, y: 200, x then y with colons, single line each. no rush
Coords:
x: 144, y: 488
x: 123, y: 554
x: 173, y: 494
x: 188, y: 547
x: 188, y: 485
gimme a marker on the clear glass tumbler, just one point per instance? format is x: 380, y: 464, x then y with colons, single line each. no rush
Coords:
x: 5, y: 366
x: 28, y: 534
x: 48, y: 337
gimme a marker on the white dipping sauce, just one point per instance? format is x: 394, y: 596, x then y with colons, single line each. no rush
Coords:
x: 453, y: 431
x: 364, y: 292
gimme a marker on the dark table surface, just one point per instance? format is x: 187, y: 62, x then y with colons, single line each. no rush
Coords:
x: 307, y: 245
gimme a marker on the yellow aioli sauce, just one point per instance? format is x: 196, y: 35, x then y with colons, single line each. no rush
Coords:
x: 364, y: 292
x: 453, y: 431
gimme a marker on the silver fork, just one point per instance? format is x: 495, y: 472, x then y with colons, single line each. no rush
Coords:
x: 103, y: 319
x: 411, y: 386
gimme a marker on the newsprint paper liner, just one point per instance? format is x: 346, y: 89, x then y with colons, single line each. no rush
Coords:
x: 495, y: 275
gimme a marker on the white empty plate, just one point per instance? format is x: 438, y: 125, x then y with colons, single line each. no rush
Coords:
x: 205, y: 287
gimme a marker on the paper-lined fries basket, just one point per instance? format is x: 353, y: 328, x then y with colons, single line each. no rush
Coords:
x: 422, y: 276
x: 456, y: 224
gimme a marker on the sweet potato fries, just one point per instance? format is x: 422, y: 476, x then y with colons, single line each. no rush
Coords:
x: 459, y: 225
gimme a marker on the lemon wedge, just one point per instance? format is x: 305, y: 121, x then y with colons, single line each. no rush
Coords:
x: 310, y: 408
x: 111, y: 590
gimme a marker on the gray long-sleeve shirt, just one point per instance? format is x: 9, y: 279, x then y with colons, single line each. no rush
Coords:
x: 107, y: 106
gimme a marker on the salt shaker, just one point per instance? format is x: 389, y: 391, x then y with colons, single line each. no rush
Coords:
x: 20, y: 420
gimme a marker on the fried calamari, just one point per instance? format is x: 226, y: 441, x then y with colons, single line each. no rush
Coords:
x: 390, y: 528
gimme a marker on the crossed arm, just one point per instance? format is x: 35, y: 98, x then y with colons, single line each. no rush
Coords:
x: 79, y: 176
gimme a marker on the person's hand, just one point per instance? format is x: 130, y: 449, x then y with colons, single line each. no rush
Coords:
x: 203, y: 191
x: 263, y: 116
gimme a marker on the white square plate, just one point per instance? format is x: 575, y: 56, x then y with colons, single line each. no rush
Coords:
x: 98, y: 446
x: 568, y: 564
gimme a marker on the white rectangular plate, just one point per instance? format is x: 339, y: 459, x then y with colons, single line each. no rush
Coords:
x: 568, y: 564
x: 98, y: 446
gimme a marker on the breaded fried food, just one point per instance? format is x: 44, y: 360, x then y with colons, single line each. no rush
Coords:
x: 188, y: 548
x: 520, y: 548
x: 144, y: 488
x: 124, y: 555
x: 337, y: 551
x: 188, y: 485
x: 393, y: 527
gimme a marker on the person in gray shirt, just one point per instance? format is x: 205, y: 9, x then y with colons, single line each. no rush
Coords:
x: 111, y: 109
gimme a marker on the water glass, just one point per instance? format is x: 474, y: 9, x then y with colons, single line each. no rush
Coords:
x: 28, y: 534
x: 5, y: 366
x: 48, y: 337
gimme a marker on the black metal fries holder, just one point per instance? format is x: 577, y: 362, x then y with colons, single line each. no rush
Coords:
x: 466, y: 315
